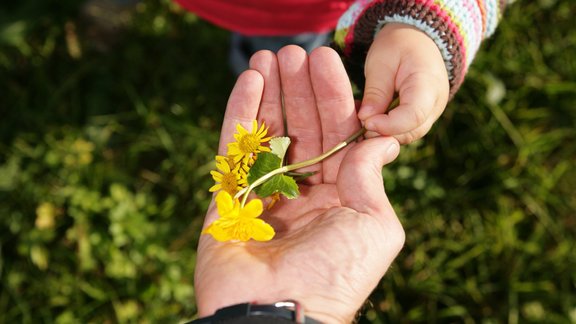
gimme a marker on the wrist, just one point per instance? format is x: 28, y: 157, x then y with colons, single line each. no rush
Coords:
x: 288, y: 311
x: 328, y: 312
x: 326, y: 309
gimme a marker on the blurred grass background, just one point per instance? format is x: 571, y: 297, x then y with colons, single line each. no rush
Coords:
x: 107, y: 142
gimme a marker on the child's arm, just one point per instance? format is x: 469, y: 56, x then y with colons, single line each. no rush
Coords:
x: 419, y: 50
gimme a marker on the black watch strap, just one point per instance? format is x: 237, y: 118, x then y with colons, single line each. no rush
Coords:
x: 281, y: 312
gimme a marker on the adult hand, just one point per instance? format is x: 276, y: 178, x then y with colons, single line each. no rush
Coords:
x: 337, y: 239
x: 403, y: 60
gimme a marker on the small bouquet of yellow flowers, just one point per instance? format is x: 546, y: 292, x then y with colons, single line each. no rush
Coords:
x: 255, y: 162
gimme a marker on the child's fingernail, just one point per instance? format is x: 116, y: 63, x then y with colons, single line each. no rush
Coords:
x: 366, y: 111
x: 369, y: 124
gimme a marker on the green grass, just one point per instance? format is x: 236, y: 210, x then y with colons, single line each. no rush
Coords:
x: 105, y: 159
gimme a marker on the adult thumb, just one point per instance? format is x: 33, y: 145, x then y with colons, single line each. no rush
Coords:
x: 360, y: 184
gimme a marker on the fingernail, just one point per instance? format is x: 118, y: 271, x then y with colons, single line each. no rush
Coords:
x: 369, y: 125
x: 366, y: 111
x: 393, y: 149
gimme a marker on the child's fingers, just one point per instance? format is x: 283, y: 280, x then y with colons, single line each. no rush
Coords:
x: 420, y: 106
x: 405, y: 60
x: 381, y: 68
x: 408, y: 137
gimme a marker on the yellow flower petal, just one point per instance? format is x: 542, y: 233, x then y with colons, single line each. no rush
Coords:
x: 274, y: 198
x: 236, y: 223
x: 261, y: 231
x: 262, y: 130
x: 241, y: 129
x: 233, y: 150
x: 217, y: 176
x: 224, y: 203
x: 248, y: 144
x: 229, y: 179
x: 252, y: 209
x: 228, y: 159
x: 250, y: 228
x: 218, y: 233
x: 223, y: 166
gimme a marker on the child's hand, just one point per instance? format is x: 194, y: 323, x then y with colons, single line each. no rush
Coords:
x: 405, y: 61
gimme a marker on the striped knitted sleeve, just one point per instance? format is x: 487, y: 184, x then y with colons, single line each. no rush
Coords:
x: 456, y: 26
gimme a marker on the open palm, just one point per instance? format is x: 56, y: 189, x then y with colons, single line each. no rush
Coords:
x: 335, y: 241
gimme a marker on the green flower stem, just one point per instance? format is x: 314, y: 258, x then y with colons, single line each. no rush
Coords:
x: 299, y: 165
x: 327, y: 154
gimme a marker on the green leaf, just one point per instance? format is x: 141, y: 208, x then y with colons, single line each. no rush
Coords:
x: 265, y: 163
x: 279, y: 183
x: 279, y: 146
x: 283, y: 184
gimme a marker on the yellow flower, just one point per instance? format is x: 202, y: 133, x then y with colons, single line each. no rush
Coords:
x: 274, y: 198
x: 239, y: 223
x: 243, y: 173
x: 227, y: 178
x: 247, y: 144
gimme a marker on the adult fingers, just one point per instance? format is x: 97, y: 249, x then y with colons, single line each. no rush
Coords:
x: 361, y: 188
x: 302, y: 118
x: 335, y: 103
x: 242, y: 107
x: 270, y: 111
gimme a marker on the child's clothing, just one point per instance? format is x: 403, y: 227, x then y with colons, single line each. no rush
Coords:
x: 270, y: 17
x: 456, y: 26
